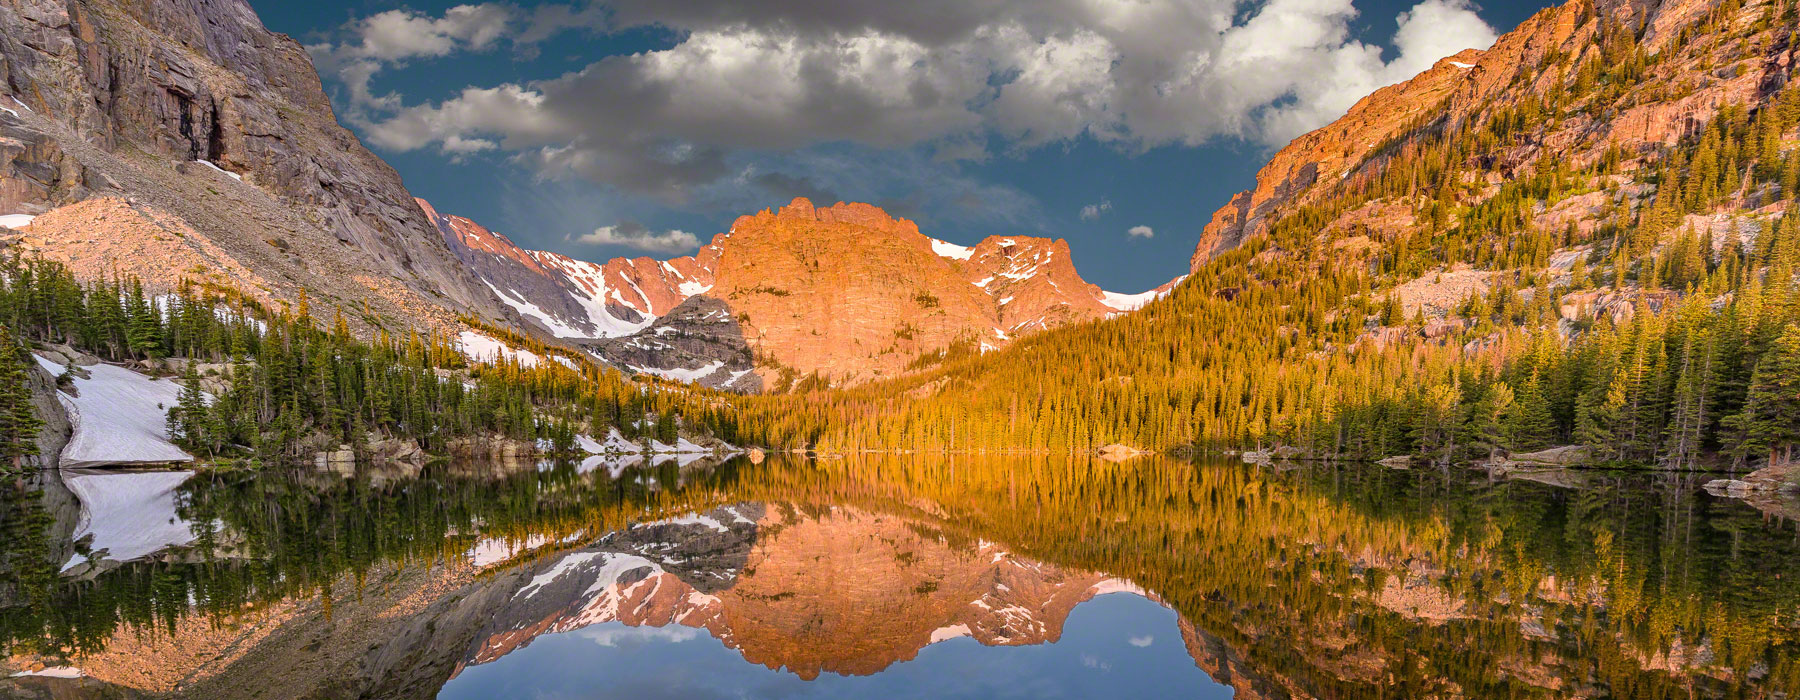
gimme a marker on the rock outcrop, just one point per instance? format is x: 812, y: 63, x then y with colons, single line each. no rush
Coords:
x: 55, y: 432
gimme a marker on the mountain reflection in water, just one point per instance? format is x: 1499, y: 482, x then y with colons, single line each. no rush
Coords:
x: 907, y: 576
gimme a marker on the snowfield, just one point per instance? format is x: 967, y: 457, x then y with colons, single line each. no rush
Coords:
x: 222, y: 171
x: 951, y: 250
x: 482, y: 347
x: 52, y: 672
x: 130, y: 515
x: 1133, y: 302
x: 681, y: 374
x: 520, y: 304
x: 120, y: 418
x: 16, y: 220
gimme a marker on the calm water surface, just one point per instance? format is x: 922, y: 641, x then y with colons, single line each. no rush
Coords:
x: 892, y: 577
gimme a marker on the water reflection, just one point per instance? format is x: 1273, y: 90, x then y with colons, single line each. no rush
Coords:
x: 1116, y: 645
x: 895, y: 576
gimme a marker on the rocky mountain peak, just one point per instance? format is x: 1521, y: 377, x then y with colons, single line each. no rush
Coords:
x: 800, y: 214
x: 847, y: 292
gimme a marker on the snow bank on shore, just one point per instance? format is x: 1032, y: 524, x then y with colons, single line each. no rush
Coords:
x: 121, y: 418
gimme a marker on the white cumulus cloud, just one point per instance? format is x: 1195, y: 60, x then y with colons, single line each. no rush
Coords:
x: 954, y: 76
x: 1140, y: 232
x: 636, y: 237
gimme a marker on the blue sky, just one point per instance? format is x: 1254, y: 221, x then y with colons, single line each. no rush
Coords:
x: 644, y: 127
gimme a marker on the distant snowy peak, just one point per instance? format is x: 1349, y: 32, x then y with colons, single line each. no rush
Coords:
x: 1034, y: 283
x: 572, y: 298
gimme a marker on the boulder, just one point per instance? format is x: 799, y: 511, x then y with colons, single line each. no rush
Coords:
x: 395, y: 450
x: 1119, y: 453
x: 333, y: 459
x: 1731, y: 488
x: 1565, y: 456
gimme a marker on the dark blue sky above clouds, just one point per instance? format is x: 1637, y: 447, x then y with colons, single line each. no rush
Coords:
x: 642, y: 127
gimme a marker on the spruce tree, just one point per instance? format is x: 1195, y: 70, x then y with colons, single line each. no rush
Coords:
x: 19, y: 422
x: 1529, y: 425
x: 1771, y: 417
x: 189, y: 419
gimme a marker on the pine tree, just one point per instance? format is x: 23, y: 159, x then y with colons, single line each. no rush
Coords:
x: 1692, y: 388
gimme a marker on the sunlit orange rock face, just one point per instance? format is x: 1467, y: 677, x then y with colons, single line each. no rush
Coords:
x: 1457, y: 91
x: 847, y: 292
x: 840, y: 591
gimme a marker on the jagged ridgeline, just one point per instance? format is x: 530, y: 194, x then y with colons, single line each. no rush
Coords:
x: 1596, y: 247
x: 285, y: 384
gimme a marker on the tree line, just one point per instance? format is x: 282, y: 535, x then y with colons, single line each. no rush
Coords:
x: 276, y: 385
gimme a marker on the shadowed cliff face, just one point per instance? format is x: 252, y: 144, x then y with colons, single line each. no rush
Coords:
x: 700, y: 341
x: 206, y: 122
x: 846, y: 293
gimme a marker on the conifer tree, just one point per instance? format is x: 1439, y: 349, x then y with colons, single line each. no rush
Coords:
x: 189, y: 419
x: 19, y: 422
x: 1771, y: 417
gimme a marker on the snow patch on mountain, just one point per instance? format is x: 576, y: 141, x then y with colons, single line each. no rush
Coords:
x: 67, y: 672
x: 943, y: 634
x: 590, y: 289
x: 16, y: 220
x: 491, y: 551
x: 1117, y: 585
x: 680, y: 374
x: 532, y: 311
x: 482, y: 347
x: 1133, y: 302
x: 692, y: 519
x: 951, y: 250
x: 226, y: 173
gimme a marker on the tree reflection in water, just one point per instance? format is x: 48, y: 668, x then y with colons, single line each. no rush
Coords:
x: 1320, y: 581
